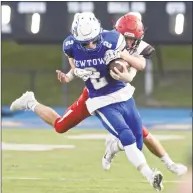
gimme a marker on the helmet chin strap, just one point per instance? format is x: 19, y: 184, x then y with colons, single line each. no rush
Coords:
x: 136, y: 44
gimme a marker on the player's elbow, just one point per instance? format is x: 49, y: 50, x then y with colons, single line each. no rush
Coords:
x: 142, y: 65
x: 130, y: 78
x: 132, y: 74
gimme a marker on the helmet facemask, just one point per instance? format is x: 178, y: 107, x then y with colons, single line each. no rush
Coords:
x: 133, y: 47
x: 131, y: 27
x: 87, y: 32
x: 91, y: 45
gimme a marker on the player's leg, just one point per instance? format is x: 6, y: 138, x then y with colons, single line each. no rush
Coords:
x: 76, y: 113
x: 28, y: 101
x: 152, y: 144
x: 134, y: 121
x: 115, y: 123
x: 158, y: 150
x: 117, y: 146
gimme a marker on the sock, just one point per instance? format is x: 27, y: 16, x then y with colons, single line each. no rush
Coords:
x: 136, y: 157
x: 146, y: 171
x: 32, y: 104
x: 167, y: 160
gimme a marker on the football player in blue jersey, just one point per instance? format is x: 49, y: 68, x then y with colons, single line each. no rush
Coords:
x: 77, y: 112
x: 109, y: 99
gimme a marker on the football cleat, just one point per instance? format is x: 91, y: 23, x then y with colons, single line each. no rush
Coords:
x: 177, y: 169
x: 22, y: 102
x: 111, y: 144
x: 156, y: 180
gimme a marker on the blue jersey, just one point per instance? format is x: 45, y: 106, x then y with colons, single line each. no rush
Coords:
x: 100, y: 83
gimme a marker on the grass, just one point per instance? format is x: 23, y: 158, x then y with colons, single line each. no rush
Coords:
x: 79, y: 170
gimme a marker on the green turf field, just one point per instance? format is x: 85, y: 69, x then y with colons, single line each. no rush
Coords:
x: 79, y: 170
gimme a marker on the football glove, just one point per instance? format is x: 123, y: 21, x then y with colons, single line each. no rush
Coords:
x: 111, y: 55
x: 83, y: 74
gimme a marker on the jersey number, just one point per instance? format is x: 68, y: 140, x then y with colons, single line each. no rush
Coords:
x: 95, y: 79
x: 107, y: 44
x: 70, y: 42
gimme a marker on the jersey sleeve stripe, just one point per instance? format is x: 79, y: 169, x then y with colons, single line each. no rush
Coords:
x: 121, y: 44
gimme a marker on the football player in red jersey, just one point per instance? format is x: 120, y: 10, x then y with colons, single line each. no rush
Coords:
x: 131, y: 27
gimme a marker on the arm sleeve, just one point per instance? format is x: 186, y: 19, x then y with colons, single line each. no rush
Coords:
x: 147, y: 52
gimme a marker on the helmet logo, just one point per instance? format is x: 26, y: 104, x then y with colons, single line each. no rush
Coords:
x: 85, y: 29
x: 129, y: 34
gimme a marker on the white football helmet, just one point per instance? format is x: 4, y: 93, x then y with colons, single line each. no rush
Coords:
x: 75, y: 22
x: 85, y: 27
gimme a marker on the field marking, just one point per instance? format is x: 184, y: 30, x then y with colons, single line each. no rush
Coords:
x: 103, y: 136
x: 33, y: 147
x: 169, y: 127
x: 87, y: 179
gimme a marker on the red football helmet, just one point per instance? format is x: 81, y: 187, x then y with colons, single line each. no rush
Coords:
x: 131, y: 27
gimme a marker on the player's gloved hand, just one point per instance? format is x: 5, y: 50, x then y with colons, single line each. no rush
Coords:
x: 62, y: 77
x: 111, y: 55
x: 83, y: 74
x: 125, y: 76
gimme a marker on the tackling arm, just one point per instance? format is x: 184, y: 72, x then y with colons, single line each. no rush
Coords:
x: 132, y: 74
x: 126, y: 75
x: 137, y: 62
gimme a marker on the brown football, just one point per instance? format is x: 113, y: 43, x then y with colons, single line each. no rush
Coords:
x: 118, y: 64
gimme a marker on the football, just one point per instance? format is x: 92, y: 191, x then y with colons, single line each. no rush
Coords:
x: 118, y: 64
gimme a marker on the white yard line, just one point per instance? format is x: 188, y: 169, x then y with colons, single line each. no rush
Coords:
x: 98, y: 136
x: 33, y: 147
x: 86, y: 179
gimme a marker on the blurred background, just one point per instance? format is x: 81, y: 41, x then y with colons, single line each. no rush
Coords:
x: 32, y: 35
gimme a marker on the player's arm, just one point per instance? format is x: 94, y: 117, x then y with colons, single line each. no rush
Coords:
x: 132, y: 74
x: 145, y: 54
x: 137, y: 62
x: 74, y: 72
x: 129, y: 72
x: 71, y: 62
x: 126, y: 75
x: 67, y: 49
x: 116, y: 49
